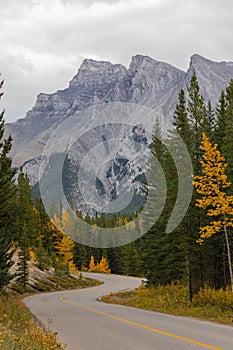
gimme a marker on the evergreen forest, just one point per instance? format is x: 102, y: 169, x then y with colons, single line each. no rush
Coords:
x: 198, y: 252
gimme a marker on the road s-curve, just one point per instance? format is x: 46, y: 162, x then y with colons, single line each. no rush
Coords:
x: 83, y: 323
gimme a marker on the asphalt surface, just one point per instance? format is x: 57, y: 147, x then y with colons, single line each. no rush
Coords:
x: 84, y: 323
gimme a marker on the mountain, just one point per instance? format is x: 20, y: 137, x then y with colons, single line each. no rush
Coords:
x: 88, y: 105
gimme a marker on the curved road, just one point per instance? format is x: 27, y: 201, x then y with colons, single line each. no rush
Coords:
x: 83, y: 323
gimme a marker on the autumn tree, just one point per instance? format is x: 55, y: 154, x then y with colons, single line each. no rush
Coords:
x: 212, y: 185
x: 103, y: 266
x: 92, y: 265
x: 64, y: 249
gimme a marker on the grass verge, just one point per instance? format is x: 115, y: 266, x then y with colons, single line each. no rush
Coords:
x: 19, y: 331
x: 53, y: 283
x: 208, y: 304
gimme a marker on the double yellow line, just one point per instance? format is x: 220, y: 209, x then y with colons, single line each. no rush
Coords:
x: 140, y: 325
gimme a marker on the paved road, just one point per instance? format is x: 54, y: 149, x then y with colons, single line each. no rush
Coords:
x: 84, y: 323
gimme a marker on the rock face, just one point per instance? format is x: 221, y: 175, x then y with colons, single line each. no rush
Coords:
x: 146, y: 82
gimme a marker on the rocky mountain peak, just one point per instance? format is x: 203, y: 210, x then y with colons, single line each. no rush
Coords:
x: 94, y: 70
x: 146, y: 82
x: 141, y: 62
x: 198, y: 59
x: 213, y: 77
x: 90, y: 66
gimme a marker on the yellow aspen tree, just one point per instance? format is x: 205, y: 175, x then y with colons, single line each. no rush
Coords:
x: 211, y: 185
x: 68, y: 222
x: 32, y: 255
x: 56, y: 222
x: 92, y: 266
x: 120, y: 221
x: 103, y: 266
x: 65, y: 250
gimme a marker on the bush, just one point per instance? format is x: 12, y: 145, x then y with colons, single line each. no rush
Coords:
x: 222, y: 299
x: 208, y: 303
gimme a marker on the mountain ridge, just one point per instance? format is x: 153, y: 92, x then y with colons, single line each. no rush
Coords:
x: 145, y: 82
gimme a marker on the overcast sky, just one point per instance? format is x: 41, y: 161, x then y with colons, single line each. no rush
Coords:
x: 42, y: 42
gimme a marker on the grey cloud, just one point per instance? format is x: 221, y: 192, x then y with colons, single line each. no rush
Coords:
x: 42, y: 52
x: 90, y: 2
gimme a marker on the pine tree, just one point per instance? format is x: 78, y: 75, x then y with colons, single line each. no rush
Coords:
x: 183, y: 122
x: 199, y: 121
x: 221, y: 122
x: 42, y: 256
x: 197, y: 117
x: 156, y: 243
x: 80, y: 256
x: 6, y: 262
x: 176, y: 255
x: 209, y: 121
x: 45, y: 228
x: 130, y: 257
x: 212, y: 185
x: 24, y: 257
x: 26, y: 215
x: 227, y: 144
x: 115, y: 260
x: 27, y: 228
x: 7, y: 205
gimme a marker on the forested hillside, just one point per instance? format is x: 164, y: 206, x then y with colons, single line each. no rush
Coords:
x: 197, y: 253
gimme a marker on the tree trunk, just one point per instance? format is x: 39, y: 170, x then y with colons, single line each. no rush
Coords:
x: 189, y: 277
x: 228, y: 254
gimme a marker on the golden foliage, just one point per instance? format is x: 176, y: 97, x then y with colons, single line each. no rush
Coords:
x: 65, y: 250
x: 19, y: 331
x: 56, y: 222
x: 212, y: 185
x: 102, y: 266
x: 32, y: 255
x: 92, y: 266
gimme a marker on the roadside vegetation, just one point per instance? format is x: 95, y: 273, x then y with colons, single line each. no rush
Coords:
x: 19, y: 331
x: 207, y: 304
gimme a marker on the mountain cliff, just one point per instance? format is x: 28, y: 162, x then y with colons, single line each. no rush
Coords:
x: 146, y: 82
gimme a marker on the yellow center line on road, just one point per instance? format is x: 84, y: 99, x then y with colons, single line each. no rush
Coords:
x: 140, y: 325
x: 101, y: 289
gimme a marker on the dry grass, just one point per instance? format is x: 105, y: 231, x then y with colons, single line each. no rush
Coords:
x: 19, y: 331
x: 208, y: 304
